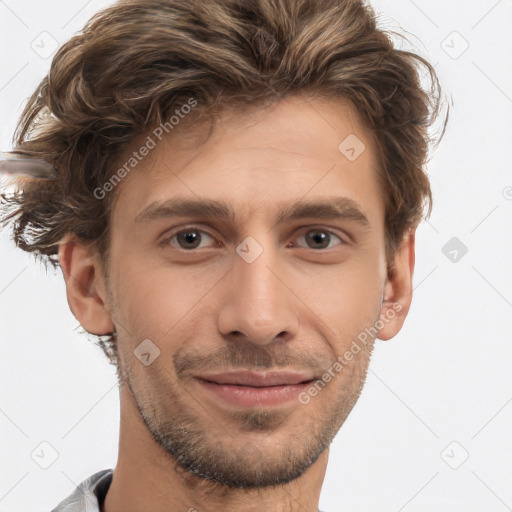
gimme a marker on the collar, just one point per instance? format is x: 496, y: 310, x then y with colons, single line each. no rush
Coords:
x: 89, y: 495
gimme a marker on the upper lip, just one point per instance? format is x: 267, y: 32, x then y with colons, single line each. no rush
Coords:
x: 259, y: 379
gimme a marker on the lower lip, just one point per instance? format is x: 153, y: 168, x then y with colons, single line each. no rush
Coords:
x: 246, y: 396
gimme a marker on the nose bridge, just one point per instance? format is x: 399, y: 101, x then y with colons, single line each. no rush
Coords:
x: 258, y: 304
x: 257, y: 285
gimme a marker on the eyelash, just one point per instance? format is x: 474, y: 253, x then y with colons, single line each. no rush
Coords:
x: 166, y: 241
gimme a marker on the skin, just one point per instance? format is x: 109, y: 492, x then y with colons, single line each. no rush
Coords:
x: 299, y: 305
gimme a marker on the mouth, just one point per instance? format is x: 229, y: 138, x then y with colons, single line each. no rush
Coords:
x: 256, y: 389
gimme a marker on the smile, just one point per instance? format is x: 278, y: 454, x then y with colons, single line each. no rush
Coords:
x: 253, y: 389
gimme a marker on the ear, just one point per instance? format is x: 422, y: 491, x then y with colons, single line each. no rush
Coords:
x: 85, y: 286
x: 398, y: 288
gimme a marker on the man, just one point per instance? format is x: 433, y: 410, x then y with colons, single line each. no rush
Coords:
x: 238, y: 188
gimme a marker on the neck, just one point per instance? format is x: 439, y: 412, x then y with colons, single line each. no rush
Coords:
x: 146, y: 477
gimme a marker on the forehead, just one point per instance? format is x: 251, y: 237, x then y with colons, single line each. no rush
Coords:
x: 297, y: 149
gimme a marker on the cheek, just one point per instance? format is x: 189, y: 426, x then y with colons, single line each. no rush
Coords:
x: 349, y: 300
x: 153, y: 302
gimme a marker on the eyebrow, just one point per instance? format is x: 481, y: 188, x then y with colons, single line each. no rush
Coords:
x: 330, y: 208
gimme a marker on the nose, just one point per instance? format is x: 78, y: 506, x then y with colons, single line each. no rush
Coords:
x: 258, y: 305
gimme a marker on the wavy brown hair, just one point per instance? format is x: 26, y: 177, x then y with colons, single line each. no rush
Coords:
x: 137, y: 61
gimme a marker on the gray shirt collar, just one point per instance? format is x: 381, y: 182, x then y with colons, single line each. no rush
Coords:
x: 89, y: 495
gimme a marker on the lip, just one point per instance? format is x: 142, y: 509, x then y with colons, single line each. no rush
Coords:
x: 255, y: 389
x: 259, y: 379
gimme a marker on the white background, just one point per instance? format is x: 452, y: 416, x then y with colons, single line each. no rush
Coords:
x: 446, y: 377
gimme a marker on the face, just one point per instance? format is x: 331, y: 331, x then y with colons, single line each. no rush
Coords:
x: 247, y: 262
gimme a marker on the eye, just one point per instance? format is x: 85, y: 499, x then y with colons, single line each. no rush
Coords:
x: 319, y: 239
x: 188, y: 239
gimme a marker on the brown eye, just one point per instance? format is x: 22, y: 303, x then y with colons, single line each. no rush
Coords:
x: 188, y: 239
x: 320, y: 239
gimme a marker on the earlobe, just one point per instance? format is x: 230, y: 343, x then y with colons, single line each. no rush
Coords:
x: 398, y: 289
x: 85, y: 286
